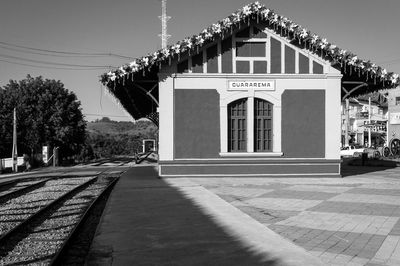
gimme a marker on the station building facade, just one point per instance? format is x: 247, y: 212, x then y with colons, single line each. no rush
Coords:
x: 252, y: 95
x: 251, y: 104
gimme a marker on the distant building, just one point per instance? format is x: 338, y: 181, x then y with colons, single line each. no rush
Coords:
x: 394, y: 113
x: 360, y: 122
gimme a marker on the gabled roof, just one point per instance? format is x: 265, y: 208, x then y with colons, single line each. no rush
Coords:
x: 348, y: 62
x: 379, y: 98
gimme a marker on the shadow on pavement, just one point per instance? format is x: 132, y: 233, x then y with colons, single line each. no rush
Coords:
x: 148, y: 222
x: 351, y: 167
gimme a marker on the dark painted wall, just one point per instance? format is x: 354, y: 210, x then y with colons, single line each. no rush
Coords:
x: 304, y: 66
x: 318, y: 68
x: 226, y: 46
x: 275, y: 56
x: 303, y: 123
x: 196, y: 124
x: 197, y: 63
x: 260, y: 67
x: 290, y: 60
x: 212, y: 59
x: 243, y: 67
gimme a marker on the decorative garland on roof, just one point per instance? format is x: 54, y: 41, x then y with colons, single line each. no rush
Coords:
x: 287, y: 28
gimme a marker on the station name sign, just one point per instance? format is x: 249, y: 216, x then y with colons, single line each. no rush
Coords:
x: 251, y: 84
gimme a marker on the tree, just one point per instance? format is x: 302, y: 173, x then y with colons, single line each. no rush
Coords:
x: 47, y: 114
x: 105, y: 119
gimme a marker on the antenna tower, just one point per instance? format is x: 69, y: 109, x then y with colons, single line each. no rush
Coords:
x: 164, y: 18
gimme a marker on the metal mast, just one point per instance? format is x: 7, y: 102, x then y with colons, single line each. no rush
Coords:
x: 164, y: 18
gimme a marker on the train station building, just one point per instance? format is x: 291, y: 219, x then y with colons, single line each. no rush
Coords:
x: 254, y: 94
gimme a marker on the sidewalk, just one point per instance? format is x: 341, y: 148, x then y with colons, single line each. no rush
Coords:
x: 353, y: 220
x: 152, y: 221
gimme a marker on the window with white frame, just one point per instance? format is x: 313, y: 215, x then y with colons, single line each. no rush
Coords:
x: 251, y: 51
x: 238, y: 116
x: 262, y: 125
x: 237, y: 124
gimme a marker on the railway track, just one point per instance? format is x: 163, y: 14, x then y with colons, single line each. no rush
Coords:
x: 38, y: 218
x: 14, y: 188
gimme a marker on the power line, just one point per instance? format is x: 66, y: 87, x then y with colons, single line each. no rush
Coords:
x: 53, y: 63
x: 65, y: 53
x: 51, y: 67
x: 48, y: 54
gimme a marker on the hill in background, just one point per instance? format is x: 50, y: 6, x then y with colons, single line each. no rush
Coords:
x: 107, y: 138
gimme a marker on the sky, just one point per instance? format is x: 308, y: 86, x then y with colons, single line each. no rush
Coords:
x: 105, y: 34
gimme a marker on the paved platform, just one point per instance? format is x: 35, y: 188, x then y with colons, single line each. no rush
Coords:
x: 354, y: 220
x: 152, y: 221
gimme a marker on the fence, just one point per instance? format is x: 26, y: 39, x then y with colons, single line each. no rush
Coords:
x: 8, y: 162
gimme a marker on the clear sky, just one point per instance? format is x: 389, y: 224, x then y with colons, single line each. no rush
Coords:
x: 368, y: 28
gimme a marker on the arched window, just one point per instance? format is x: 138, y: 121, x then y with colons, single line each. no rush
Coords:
x: 262, y: 125
x: 237, y: 124
x: 250, y: 119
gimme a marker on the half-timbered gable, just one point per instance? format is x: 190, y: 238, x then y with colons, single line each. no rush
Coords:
x: 252, y: 50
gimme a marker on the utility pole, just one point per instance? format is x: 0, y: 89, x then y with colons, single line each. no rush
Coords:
x: 387, y: 128
x: 14, y: 149
x: 346, y: 125
x: 164, y: 18
x: 369, y: 122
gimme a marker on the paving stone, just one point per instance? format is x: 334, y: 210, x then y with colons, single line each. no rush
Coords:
x: 367, y: 198
x: 228, y: 198
x: 349, y: 244
x: 388, y: 248
x: 299, y: 234
x: 374, y: 191
x: 256, y: 214
x: 388, y: 225
x: 357, y: 208
x: 393, y: 261
x: 351, y: 252
x: 366, y: 255
x: 341, y: 222
x: 356, y: 247
x: 382, y: 185
x: 338, y: 248
x: 239, y: 191
x: 357, y: 261
x: 327, y: 257
x: 341, y: 259
x: 329, y: 243
x: 271, y: 186
x: 281, y: 204
x: 293, y: 194
x: 316, y: 253
x: 277, y: 228
x: 377, y: 240
x: 312, y: 234
x: 266, y: 216
x: 396, y: 229
x: 321, y: 188
x: 376, y: 262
